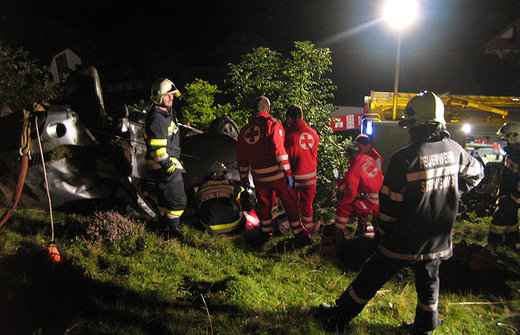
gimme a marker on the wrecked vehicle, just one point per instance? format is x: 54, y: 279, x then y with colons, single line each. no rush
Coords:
x: 95, y: 160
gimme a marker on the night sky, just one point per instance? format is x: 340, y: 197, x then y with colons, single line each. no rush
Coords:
x: 125, y: 28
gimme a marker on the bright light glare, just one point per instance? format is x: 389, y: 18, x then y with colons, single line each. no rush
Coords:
x: 369, y: 129
x: 400, y: 13
x: 466, y: 128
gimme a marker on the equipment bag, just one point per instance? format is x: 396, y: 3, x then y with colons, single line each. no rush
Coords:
x: 474, y: 256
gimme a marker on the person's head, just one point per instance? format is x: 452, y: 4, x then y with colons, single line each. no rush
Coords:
x: 352, y: 149
x: 362, y: 141
x: 294, y: 112
x: 510, y: 132
x: 424, y: 115
x: 217, y: 170
x: 262, y: 105
x: 163, y: 92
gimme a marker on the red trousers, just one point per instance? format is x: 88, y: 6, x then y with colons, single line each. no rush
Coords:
x: 359, y: 206
x: 305, y: 200
x: 264, y: 195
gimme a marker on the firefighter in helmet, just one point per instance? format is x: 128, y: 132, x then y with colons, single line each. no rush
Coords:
x: 418, y: 205
x: 504, y: 225
x: 220, y: 201
x: 163, y: 156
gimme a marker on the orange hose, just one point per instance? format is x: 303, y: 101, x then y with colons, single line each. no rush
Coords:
x: 24, y: 166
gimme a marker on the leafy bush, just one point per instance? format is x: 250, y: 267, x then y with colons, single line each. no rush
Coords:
x: 23, y: 82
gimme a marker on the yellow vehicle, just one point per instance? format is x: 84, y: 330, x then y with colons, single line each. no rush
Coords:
x: 472, y: 120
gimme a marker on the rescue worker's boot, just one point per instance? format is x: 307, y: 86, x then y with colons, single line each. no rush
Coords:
x: 172, y: 230
x: 301, y: 240
x: 337, y: 317
x: 362, y: 230
x: 333, y: 318
x: 410, y: 326
x: 328, y: 241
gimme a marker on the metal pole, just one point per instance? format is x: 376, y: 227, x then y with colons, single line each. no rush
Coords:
x: 396, y: 81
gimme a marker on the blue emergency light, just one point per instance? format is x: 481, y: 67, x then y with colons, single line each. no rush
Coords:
x: 369, y: 128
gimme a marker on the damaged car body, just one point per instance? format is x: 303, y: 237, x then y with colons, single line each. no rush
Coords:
x: 95, y: 158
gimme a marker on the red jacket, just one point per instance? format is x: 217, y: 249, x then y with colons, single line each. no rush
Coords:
x: 301, y: 144
x: 260, y: 150
x: 376, y: 156
x: 363, y: 177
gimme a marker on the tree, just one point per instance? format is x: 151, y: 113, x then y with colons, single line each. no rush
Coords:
x: 303, y: 79
x: 23, y: 82
x: 199, y: 109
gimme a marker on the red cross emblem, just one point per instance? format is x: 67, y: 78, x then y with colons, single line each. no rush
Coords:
x: 252, y: 135
x: 306, y: 141
x: 370, y: 169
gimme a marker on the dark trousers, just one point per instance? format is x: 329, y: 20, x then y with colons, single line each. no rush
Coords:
x: 504, y: 225
x: 171, y: 194
x: 171, y: 200
x: 379, y: 269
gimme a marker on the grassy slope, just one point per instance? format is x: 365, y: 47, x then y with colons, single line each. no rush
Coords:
x: 222, y: 285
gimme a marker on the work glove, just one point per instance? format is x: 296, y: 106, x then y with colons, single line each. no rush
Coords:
x: 175, y: 162
x: 171, y: 169
x: 290, y: 182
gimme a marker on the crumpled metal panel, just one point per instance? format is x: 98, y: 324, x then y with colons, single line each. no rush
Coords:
x: 62, y: 128
x: 66, y: 183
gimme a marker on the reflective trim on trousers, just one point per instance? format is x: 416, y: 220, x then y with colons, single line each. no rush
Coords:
x: 225, y: 227
x: 304, y: 176
x: 427, y: 308
x: 354, y: 297
x: 415, y: 257
x: 267, y: 179
x: 266, y: 170
x: 266, y: 226
x: 306, y: 183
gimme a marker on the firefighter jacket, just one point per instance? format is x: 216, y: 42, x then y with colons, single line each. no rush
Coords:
x: 301, y: 144
x: 162, y: 140
x: 220, y: 204
x: 510, y: 176
x: 419, y: 198
x: 261, y: 151
x: 363, y: 178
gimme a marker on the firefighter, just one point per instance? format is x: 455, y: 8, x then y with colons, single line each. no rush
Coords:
x: 301, y: 144
x: 220, y: 200
x: 359, y: 191
x: 419, y: 200
x: 162, y: 157
x: 365, y: 147
x: 504, y: 225
x: 261, y: 151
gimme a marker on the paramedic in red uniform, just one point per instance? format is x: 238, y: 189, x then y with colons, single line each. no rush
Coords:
x: 301, y: 143
x: 261, y: 151
x: 365, y: 147
x: 419, y: 203
x: 359, y: 191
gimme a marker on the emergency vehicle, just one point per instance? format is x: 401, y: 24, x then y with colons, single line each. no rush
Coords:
x: 472, y: 121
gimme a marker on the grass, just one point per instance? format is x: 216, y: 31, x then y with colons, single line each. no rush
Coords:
x: 138, y: 283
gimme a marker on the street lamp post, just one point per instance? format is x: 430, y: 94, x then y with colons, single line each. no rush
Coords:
x: 399, y: 14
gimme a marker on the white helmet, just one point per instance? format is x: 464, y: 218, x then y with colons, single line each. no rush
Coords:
x: 217, y: 169
x: 161, y: 87
x: 510, y: 132
x: 424, y: 108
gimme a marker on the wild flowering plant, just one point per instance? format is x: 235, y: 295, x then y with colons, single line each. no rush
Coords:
x: 113, y: 227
